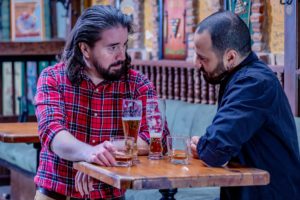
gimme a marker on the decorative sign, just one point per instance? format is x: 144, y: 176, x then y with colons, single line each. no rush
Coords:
x: 241, y: 8
x: 174, y: 44
x: 175, y: 26
x: 27, y: 21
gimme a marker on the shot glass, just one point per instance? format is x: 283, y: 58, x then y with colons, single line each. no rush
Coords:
x: 178, y: 149
x: 123, y: 153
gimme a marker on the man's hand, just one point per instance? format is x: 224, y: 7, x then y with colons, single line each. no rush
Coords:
x: 101, y: 154
x: 194, y: 142
x: 83, y: 183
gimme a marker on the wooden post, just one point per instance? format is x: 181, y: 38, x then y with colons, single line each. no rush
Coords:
x: 291, y: 54
x: 197, y: 88
x: 170, y: 83
x: 176, y: 84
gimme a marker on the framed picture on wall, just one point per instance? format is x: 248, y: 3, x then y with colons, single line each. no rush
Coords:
x: 27, y: 20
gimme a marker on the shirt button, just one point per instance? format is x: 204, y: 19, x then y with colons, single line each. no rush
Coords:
x: 93, y: 141
x: 95, y: 114
x: 97, y: 90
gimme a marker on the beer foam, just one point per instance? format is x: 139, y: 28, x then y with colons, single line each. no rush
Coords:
x: 155, y: 134
x: 131, y: 118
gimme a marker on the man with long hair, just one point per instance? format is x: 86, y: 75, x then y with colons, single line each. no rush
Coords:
x: 79, y: 105
x: 254, y: 124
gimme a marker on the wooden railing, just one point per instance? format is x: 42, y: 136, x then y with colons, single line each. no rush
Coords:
x: 179, y: 80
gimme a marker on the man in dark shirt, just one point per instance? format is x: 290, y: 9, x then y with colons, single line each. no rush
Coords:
x: 254, y: 124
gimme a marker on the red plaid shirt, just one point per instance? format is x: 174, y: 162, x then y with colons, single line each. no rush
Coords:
x: 92, y: 113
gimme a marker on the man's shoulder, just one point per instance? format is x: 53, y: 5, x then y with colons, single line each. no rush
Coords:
x: 258, y: 71
x: 57, y: 68
x: 133, y: 72
x: 140, y: 82
x: 56, y: 72
x: 137, y: 76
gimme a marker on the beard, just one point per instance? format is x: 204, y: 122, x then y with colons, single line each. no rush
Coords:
x: 216, y: 79
x: 110, y: 73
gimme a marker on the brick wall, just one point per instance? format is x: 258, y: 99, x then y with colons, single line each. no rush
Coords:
x: 260, y: 20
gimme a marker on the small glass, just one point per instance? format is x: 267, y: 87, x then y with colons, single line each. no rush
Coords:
x: 178, y: 149
x: 123, y: 153
x: 155, y: 115
x: 131, y: 120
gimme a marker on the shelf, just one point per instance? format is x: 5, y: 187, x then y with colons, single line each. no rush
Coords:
x: 44, y: 48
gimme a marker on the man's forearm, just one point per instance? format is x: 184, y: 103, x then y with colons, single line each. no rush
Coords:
x: 66, y: 146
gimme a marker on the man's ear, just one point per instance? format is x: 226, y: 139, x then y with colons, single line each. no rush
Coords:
x: 230, y: 57
x: 84, y: 48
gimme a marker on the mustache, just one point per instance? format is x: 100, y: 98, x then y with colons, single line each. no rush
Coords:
x: 120, y: 62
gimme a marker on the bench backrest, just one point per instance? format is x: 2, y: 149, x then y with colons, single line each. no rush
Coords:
x: 188, y: 119
x: 192, y: 119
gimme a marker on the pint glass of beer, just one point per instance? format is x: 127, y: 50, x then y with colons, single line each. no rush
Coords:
x: 131, y: 120
x: 155, y: 115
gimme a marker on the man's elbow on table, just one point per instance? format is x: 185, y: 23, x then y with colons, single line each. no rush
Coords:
x: 212, y: 158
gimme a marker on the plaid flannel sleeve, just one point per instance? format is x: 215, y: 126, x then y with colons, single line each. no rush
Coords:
x: 49, y: 107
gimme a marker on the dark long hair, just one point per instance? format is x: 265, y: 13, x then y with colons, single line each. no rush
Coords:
x: 227, y: 31
x: 88, y: 29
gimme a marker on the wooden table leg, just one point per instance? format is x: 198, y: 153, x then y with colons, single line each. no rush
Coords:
x: 168, y: 194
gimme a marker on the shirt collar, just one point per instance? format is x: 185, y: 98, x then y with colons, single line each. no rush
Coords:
x: 85, y: 77
x: 249, y: 59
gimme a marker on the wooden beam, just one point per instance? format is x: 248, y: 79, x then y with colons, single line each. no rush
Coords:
x: 42, y: 48
x: 291, y: 53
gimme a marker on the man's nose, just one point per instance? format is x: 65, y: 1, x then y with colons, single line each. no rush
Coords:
x: 198, y: 64
x: 121, y: 55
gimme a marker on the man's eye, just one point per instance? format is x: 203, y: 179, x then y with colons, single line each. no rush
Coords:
x: 202, y: 58
x: 113, y: 48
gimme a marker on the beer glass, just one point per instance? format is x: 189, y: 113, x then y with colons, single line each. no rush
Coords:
x: 123, y: 150
x: 155, y: 115
x: 178, y: 149
x: 131, y: 120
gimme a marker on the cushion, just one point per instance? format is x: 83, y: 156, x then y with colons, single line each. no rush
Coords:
x: 188, y: 119
x: 19, y: 154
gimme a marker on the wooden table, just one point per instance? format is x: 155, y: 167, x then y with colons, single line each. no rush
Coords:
x: 26, y: 132
x: 161, y: 174
x: 19, y: 132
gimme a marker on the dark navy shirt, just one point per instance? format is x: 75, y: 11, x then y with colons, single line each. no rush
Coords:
x: 254, y: 126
